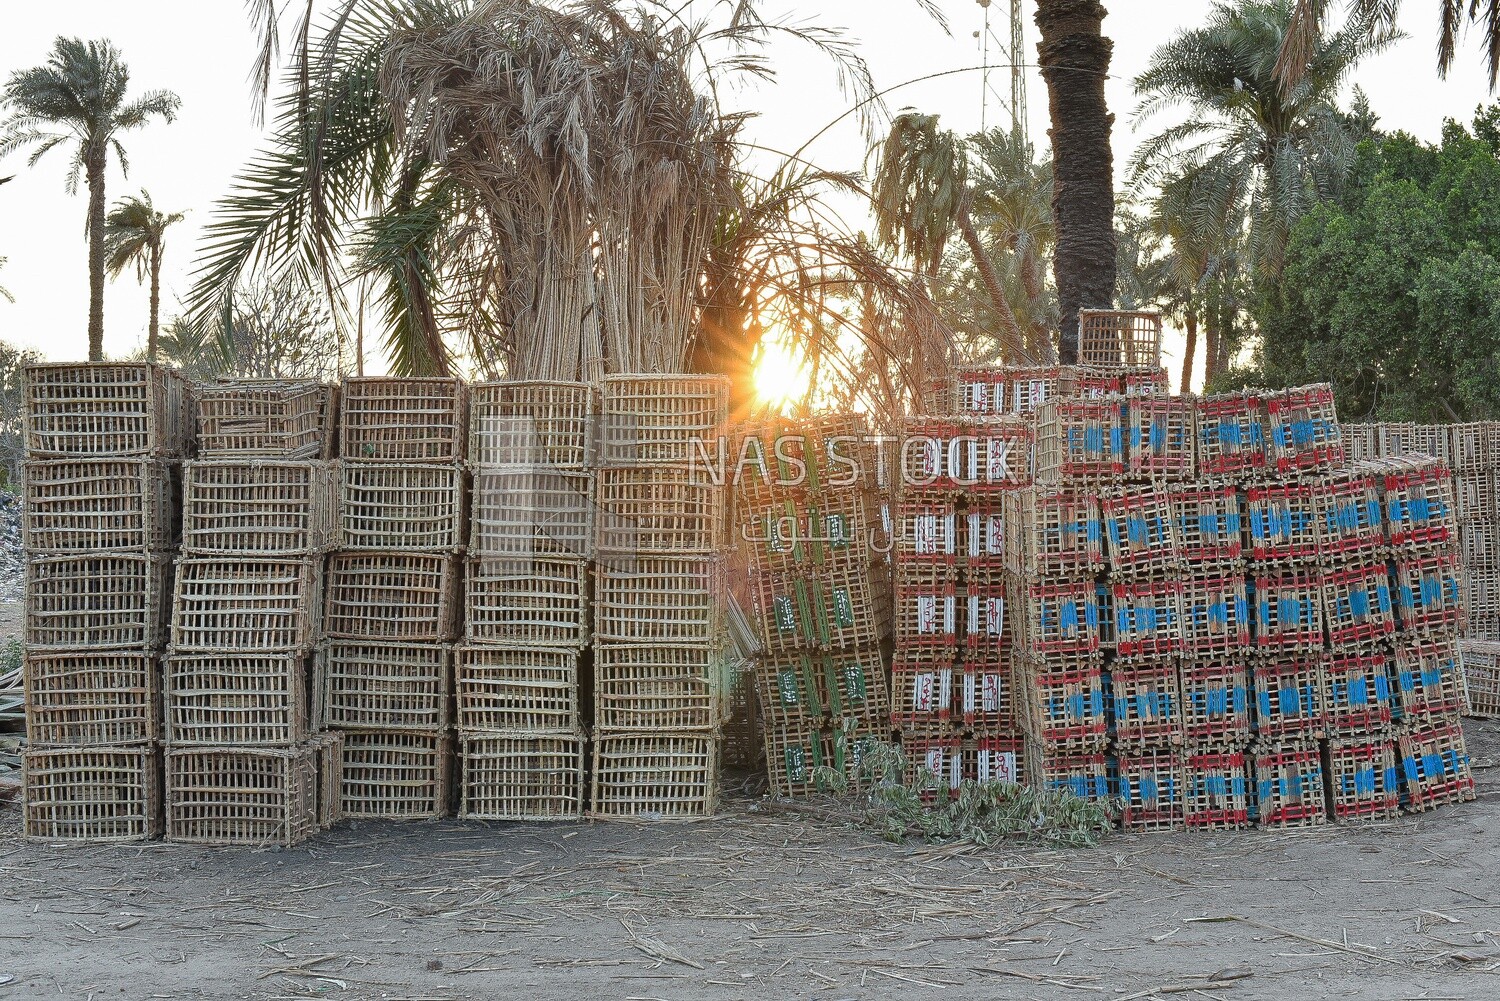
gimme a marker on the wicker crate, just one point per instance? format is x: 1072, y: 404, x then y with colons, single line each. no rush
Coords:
x: 1363, y: 441
x: 237, y: 699
x: 89, y: 505
x: 541, y: 600
x: 1215, y: 614
x: 1062, y: 618
x: 285, y: 420
x: 397, y: 774
x: 1481, y: 663
x: 1217, y: 789
x: 404, y: 597
x: 926, y: 613
x: 1151, y: 380
x: 84, y: 699
x: 1434, y: 764
x: 927, y: 532
x: 781, y: 613
x: 1303, y: 430
x: 522, y: 510
x: 1476, y: 501
x: 1429, y: 594
x: 1346, y: 507
x: 1288, y: 607
x: 1067, y: 704
x: 1231, y: 435
x: 521, y: 776
x: 987, y: 696
x: 982, y: 536
x: 1085, y: 774
x: 1080, y: 441
x: 934, y: 764
x: 654, y: 776
x: 990, y: 456
x: 1160, y: 438
x: 1479, y: 545
x: 384, y: 686
x: 1152, y: 793
x: 1431, y: 440
x: 924, y: 696
x: 1216, y: 701
x: 1032, y: 386
x: 791, y: 689
x: 655, y: 686
x: 1358, y: 610
x: 532, y: 424
x: 772, y: 537
x: 1139, y: 524
x: 242, y: 795
x: 1357, y: 694
x: 403, y: 420
x: 1429, y: 680
x: 1118, y: 339
x: 386, y: 506
x: 674, y: 420
x: 660, y: 509
x: 1288, y: 778
x: 1363, y: 781
x: 1416, y: 495
x: 982, y: 392
x: 236, y: 603
x: 260, y: 507
x: 1091, y: 383
x: 854, y: 685
x: 92, y: 794
x: 794, y: 756
x: 1147, y: 697
x: 929, y: 458
x: 1474, y: 446
x: 1148, y: 617
x: 1289, y: 698
x: 109, y: 409
x: 661, y: 599
x: 1052, y: 533
x: 992, y: 758
x: 1283, y: 523
x: 521, y: 689
x: 329, y: 751
x: 986, y: 626
x: 96, y: 601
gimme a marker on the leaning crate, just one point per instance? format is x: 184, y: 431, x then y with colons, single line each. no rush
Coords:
x: 1434, y: 764
x: 658, y: 776
x: 109, y: 409
x: 656, y: 686
x: 1364, y: 783
x: 97, y: 601
x: 238, y: 603
x: 1288, y: 778
x: 1481, y: 664
x: 92, y: 793
x: 1139, y: 526
x: 1283, y: 523
x: 794, y: 755
x: 1346, y: 508
x: 519, y: 689
x: 1119, y: 339
x: 1358, y: 696
x: 1062, y: 618
x: 365, y: 684
x: 238, y: 698
x: 386, y: 419
x: 1083, y: 773
x: 386, y: 506
x: 987, y: 692
x: 1066, y: 701
x: 396, y: 596
x: 1152, y: 794
x: 1429, y: 594
x: 1429, y: 679
x: 1215, y: 613
x: 1290, y: 695
x: 83, y: 505
x: 532, y: 423
x: 1160, y: 438
x: 1288, y: 604
x: 518, y: 510
x: 397, y: 774
x: 854, y: 685
x: 541, y: 600
x: 1303, y: 430
x: 88, y: 698
x: 287, y: 420
x: 1148, y: 617
x: 1358, y: 609
x: 843, y: 606
x: 662, y: 599
x: 260, y: 507
x: 521, y: 776
x: 329, y: 747
x: 1079, y: 441
x: 661, y: 509
x: 1216, y: 702
x: 1231, y: 435
x: 1053, y: 532
x: 1147, y: 699
x: 926, y: 689
x: 773, y: 536
x: 1217, y: 789
x: 1416, y: 494
x: 662, y: 419
x: 242, y: 795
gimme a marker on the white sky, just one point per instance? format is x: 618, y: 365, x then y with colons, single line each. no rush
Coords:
x: 203, y: 50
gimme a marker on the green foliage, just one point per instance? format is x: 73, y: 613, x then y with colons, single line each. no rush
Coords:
x: 10, y: 656
x: 13, y: 362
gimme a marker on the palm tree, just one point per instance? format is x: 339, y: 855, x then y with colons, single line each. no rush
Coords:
x: 5, y: 292
x: 1309, y: 15
x: 1074, y: 57
x: 1247, y: 141
x: 79, y: 98
x: 134, y: 234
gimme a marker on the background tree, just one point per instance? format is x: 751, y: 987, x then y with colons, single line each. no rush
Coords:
x: 79, y: 98
x: 13, y: 362
x: 280, y: 330
x: 134, y: 234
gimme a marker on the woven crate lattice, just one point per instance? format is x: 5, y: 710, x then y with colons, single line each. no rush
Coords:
x: 654, y: 775
x: 1139, y: 524
x: 83, y: 505
x: 1283, y: 523
x: 1117, y: 339
x: 1051, y: 532
x: 1429, y: 679
x: 1231, y: 435
x: 1434, y: 765
x: 1067, y: 704
x: 1363, y: 780
x: 1148, y: 617
x: 1147, y: 697
x: 540, y: 600
x: 237, y: 699
x: 1429, y: 594
x: 1215, y: 614
x: 666, y: 599
x: 1347, y: 509
x: 521, y: 776
x: 1289, y: 698
x: 522, y: 510
x: 223, y: 603
x: 109, y: 409
x: 397, y: 774
x: 1289, y: 784
x: 654, y: 686
x: 83, y: 698
x: 403, y: 420
x: 1208, y: 524
x: 394, y: 596
x: 96, y: 601
x: 923, y: 690
x: 1416, y: 495
x: 661, y: 509
x: 1160, y: 438
x: 1216, y: 703
x: 531, y: 424
x: 1358, y: 609
x: 1079, y: 441
x: 1217, y: 788
x: 384, y: 686
x: 385, y: 506
x: 1063, y: 618
x: 1288, y: 607
x: 263, y: 507
x: 661, y: 420
x: 525, y: 689
x: 1303, y: 430
x: 288, y: 420
x: 92, y: 794
x: 1358, y: 696
x: 1085, y: 774
x: 1481, y: 660
x: 242, y: 796
x: 1151, y: 790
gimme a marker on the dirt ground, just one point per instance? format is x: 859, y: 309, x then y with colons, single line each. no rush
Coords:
x: 758, y: 905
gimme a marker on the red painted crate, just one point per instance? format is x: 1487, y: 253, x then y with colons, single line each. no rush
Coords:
x: 1289, y: 696
x: 1079, y: 441
x: 1092, y: 383
x: 1217, y: 789
x: 926, y: 463
x: 986, y: 626
x: 1283, y: 523
x: 1147, y: 697
x: 1208, y: 525
x: 1289, y: 784
x: 1358, y: 610
x: 1231, y: 435
x: 926, y: 612
x: 922, y: 690
x: 1429, y: 595
x: 1303, y: 430
x: 1153, y: 794
x: 982, y: 536
x: 1216, y: 703
x: 1085, y: 774
x: 934, y: 765
x: 1347, y: 509
x: 1063, y: 618
x: 1053, y: 533
x: 1067, y: 704
x: 1160, y: 437
x: 1032, y: 386
x: 1145, y: 381
x: 990, y: 455
x: 1288, y: 609
x: 984, y: 391
x: 987, y: 694
x: 1215, y: 614
x: 1138, y: 523
x: 1363, y: 780
x: 1357, y: 694
x: 1428, y: 680
x: 1148, y: 617
x: 994, y: 759
x: 1416, y: 496
x: 1434, y: 763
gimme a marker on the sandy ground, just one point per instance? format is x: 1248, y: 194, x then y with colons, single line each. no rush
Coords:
x: 752, y: 905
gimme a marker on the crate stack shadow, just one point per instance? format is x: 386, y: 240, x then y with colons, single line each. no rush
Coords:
x: 102, y: 446
x: 246, y: 763
x: 521, y: 668
x: 660, y: 649
x: 810, y: 534
x: 391, y: 613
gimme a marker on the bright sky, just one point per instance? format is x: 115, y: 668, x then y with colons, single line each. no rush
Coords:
x: 203, y: 50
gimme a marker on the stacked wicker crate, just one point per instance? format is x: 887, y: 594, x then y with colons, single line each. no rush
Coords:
x: 393, y: 593
x: 102, y: 443
x: 245, y: 762
x: 809, y: 527
x: 660, y: 596
x: 518, y: 672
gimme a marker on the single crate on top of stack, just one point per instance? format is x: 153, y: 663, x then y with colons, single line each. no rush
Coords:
x: 385, y: 671
x: 102, y: 446
x: 659, y: 641
x: 246, y: 762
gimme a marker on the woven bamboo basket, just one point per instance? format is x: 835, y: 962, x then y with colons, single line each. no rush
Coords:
x: 92, y: 794
x: 365, y: 685
x: 1288, y: 778
x: 1303, y: 432
x: 521, y: 776
x: 1080, y: 441
x: 397, y: 774
x: 286, y: 420
x: 656, y: 686
x: 260, y: 507
x: 542, y: 601
x: 520, y: 689
x: 235, y: 603
x: 523, y: 510
x: 97, y: 601
x: 660, y: 510
x: 242, y: 795
x: 397, y: 596
x: 237, y: 699
x: 403, y: 420
x: 1151, y: 790
x: 1363, y: 780
x: 83, y: 698
x: 1084, y: 773
x: 532, y: 424
x: 386, y: 506
x: 329, y: 748
x: 1116, y: 339
x: 654, y: 776
x: 109, y: 409
x: 89, y: 505
x: 659, y: 599
x: 1481, y: 663
x: 1050, y: 532
x: 1218, y: 791
x: 1434, y: 763
x: 662, y: 419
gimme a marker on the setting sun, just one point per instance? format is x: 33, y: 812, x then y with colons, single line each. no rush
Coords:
x: 781, y: 374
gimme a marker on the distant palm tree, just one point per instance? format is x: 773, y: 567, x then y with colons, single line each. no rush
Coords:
x: 134, y: 234
x: 78, y: 97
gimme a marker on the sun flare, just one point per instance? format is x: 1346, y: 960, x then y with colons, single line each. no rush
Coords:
x: 781, y: 373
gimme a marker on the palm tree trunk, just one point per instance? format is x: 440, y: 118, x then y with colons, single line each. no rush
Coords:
x: 1075, y: 63
x: 152, y: 331
x: 1190, y: 351
x: 95, y: 177
x: 1031, y: 278
x: 1012, y: 340
x: 1210, y: 344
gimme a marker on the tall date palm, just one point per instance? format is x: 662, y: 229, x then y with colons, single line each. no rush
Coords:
x: 135, y: 235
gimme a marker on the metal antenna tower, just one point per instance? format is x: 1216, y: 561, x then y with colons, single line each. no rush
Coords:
x: 1012, y: 52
